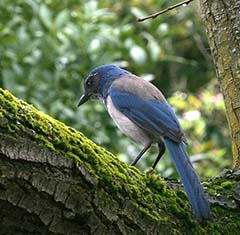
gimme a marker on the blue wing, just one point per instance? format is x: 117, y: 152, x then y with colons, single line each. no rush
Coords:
x: 153, y: 115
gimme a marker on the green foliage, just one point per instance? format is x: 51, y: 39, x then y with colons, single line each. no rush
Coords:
x: 48, y: 47
x: 204, y: 121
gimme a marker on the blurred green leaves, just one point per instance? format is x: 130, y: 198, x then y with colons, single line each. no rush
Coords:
x: 203, y: 119
x: 47, y: 47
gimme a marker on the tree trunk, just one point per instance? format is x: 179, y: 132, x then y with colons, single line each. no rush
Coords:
x: 53, y: 180
x: 222, y: 22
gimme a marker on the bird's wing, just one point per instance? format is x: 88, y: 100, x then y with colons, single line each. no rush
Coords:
x: 153, y: 115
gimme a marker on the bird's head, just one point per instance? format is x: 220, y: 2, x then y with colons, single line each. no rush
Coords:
x: 98, y: 81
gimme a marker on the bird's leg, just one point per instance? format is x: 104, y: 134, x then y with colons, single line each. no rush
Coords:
x: 161, y: 148
x: 140, y: 154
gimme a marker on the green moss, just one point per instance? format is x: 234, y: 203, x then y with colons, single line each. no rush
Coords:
x: 227, y: 185
x: 220, y: 186
x: 155, y: 182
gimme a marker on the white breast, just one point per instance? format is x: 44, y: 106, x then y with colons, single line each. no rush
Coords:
x: 126, y: 125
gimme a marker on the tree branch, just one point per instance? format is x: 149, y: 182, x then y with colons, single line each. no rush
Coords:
x: 55, y: 181
x: 155, y: 15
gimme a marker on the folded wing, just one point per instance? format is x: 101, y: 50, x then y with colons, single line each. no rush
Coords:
x: 152, y: 115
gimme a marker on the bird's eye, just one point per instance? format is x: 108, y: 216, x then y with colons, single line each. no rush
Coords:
x: 89, y: 82
x: 90, y: 79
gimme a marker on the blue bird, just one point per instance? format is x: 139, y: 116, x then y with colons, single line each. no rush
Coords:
x: 141, y: 112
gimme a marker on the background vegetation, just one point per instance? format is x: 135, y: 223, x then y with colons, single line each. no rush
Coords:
x: 48, y: 47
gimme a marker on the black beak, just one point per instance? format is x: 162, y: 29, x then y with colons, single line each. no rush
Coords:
x: 84, y: 98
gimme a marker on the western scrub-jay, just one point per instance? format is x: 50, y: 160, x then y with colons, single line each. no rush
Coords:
x: 140, y: 111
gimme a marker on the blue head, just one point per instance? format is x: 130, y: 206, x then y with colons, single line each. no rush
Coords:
x: 98, y: 82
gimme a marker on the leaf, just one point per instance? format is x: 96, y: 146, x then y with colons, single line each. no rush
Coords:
x: 45, y: 15
x: 62, y: 18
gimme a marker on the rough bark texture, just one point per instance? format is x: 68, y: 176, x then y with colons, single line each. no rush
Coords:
x: 222, y: 22
x: 53, y: 180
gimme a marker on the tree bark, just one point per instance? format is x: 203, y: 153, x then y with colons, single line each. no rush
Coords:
x: 53, y: 180
x: 222, y: 23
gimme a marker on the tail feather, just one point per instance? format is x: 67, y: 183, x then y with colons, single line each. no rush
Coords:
x: 189, y: 179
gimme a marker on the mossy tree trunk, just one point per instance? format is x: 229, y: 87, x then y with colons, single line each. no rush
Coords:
x: 222, y: 23
x: 53, y: 180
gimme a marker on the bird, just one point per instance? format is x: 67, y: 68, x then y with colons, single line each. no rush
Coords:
x: 141, y: 112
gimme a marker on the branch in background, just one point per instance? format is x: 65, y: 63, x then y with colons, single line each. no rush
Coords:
x: 155, y: 15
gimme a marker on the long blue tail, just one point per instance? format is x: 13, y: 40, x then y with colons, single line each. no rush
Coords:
x: 189, y: 179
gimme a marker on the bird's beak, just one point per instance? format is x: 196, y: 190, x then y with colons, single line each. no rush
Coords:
x: 84, y: 98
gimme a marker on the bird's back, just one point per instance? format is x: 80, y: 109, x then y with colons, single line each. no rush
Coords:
x: 137, y: 86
